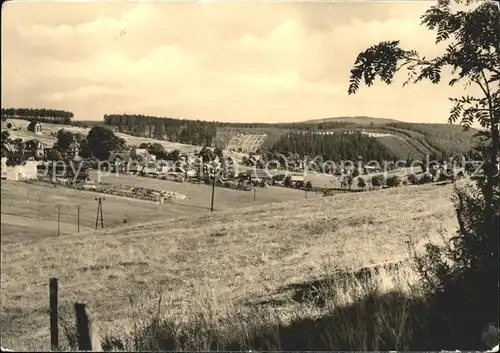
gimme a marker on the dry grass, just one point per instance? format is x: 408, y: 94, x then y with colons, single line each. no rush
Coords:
x: 226, y: 258
x: 343, y: 320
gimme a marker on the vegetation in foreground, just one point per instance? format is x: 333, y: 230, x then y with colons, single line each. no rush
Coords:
x: 461, y: 279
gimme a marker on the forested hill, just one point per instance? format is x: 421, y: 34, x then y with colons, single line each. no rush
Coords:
x: 196, y: 132
x: 193, y: 132
x: 335, y: 146
x: 401, y: 139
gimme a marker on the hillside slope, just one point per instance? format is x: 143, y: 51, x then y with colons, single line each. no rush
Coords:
x: 228, y: 256
x: 49, y: 140
x: 404, y: 140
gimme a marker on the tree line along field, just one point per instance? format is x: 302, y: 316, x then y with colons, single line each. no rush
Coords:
x: 29, y: 210
x: 227, y: 258
x: 402, y: 139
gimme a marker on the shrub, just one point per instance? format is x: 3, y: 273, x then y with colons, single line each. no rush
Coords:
x: 443, y: 177
x: 461, y: 277
x: 413, y: 179
x: 308, y: 185
x: 393, y: 181
x: 349, y: 180
x: 426, y: 178
x: 378, y: 180
x: 9, y: 125
x: 361, y: 183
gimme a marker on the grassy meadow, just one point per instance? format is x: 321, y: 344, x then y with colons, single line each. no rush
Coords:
x: 232, y: 271
x: 198, y: 196
x: 30, y: 211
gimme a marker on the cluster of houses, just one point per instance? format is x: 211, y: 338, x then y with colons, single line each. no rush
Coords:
x: 189, y: 168
x: 34, y: 149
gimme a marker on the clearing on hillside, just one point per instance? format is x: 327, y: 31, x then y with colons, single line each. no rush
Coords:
x: 246, y: 142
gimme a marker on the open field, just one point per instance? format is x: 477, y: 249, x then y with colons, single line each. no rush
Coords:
x: 29, y: 211
x: 49, y: 140
x: 198, y: 196
x: 27, y: 216
x: 227, y: 258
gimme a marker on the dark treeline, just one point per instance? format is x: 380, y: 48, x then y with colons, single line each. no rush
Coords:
x: 40, y: 114
x: 336, y: 146
x: 303, y: 126
x: 193, y: 132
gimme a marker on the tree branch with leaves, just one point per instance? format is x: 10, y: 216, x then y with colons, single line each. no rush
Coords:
x: 472, y: 55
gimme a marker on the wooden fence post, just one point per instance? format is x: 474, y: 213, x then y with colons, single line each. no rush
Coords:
x: 54, y: 326
x: 88, y: 337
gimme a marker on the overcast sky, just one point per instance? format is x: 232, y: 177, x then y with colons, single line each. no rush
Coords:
x: 242, y: 62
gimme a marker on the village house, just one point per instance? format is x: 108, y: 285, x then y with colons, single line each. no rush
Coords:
x: 297, y: 181
x: 144, y: 154
x: 74, y: 148
x: 34, y: 148
x: 259, y: 175
x: 35, y: 126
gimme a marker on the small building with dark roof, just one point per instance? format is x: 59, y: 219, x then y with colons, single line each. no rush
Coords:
x: 35, y: 126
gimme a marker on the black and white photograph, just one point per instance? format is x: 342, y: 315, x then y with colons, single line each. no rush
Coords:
x: 250, y: 175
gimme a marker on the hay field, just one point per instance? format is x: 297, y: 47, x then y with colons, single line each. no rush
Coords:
x: 226, y: 258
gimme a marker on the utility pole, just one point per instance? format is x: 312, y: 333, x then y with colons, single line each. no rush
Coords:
x: 78, y: 218
x: 254, y: 193
x: 39, y: 206
x: 58, y: 220
x: 99, y: 212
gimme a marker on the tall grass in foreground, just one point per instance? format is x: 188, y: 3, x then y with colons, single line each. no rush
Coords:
x: 349, y: 313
